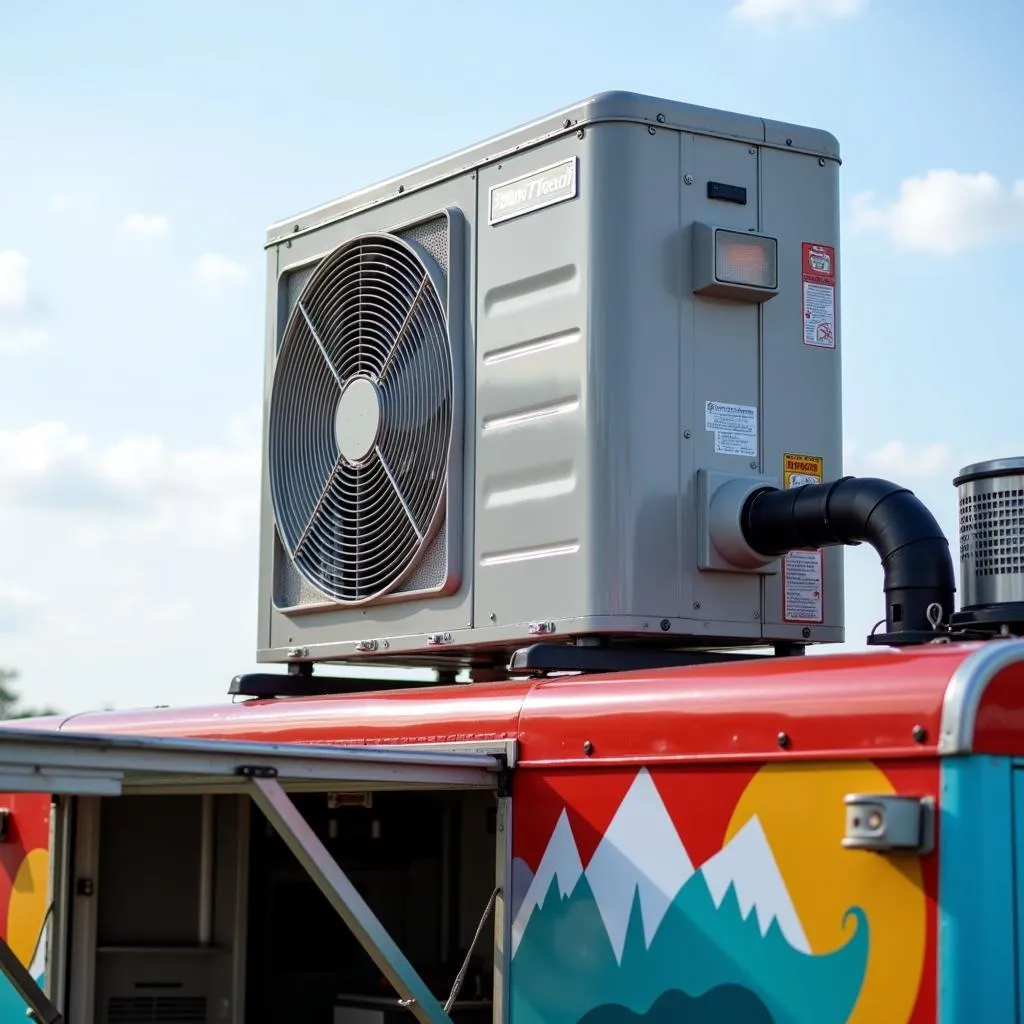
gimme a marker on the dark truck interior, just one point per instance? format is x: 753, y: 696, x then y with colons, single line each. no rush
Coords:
x: 425, y: 862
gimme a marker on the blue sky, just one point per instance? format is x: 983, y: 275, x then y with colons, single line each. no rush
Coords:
x: 146, y: 147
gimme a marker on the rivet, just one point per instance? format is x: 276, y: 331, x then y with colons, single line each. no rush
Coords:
x: 783, y: 740
x: 588, y: 747
x: 920, y: 734
x: 687, y: 434
x: 661, y: 119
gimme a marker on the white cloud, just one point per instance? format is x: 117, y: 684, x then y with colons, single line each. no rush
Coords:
x: 18, y: 607
x: 140, y: 486
x: 898, y: 461
x: 13, y: 280
x: 66, y: 202
x: 799, y: 11
x: 944, y: 212
x: 217, y: 272
x: 16, y: 341
x: 145, y: 225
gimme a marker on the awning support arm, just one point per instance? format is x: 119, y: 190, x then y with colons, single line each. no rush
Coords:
x: 25, y: 985
x: 311, y: 853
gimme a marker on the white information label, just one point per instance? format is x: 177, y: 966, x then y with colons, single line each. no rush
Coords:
x: 819, y: 314
x: 734, y: 427
x: 802, y: 571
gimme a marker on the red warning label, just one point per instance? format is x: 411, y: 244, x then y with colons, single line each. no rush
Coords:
x: 819, y: 295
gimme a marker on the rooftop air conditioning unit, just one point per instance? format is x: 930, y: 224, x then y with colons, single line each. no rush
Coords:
x: 503, y: 390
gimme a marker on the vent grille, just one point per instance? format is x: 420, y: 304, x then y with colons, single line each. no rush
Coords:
x: 992, y: 532
x: 361, y: 418
x: 156, y: 1010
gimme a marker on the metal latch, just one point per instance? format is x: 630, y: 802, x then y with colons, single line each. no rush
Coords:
x: 884, y: 823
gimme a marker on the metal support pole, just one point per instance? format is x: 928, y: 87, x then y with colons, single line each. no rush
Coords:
x: 39, y: 1005
x: 206, y: 869
x: 311, y: 853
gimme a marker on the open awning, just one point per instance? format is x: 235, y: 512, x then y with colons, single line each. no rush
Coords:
x: 109, y: 766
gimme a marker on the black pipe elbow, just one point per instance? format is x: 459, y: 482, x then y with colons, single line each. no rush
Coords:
x: 913, y: 550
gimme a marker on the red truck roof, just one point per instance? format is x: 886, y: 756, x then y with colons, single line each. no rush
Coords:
x: 915, y: 701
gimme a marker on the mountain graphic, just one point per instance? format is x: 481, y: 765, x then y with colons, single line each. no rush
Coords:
x: 640, y: 925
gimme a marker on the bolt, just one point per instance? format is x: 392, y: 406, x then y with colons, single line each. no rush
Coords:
x: 822, y: 161
x: 580, y: 133
x: 753, y: 463
x: 567, y: 123
x: 588, y: 747
x: 661, y: 119
x: 687, y: 179
x: 783, y: 740
x: 920, y: 734
x: 805, y: 632
x: 696, y: 606
x: 687, y: 434
x: 651, y: 129
x: 665, y: 625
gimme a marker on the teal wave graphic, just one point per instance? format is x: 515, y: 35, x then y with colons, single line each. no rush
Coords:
x: 12, y: 1006
x: 565, y: 967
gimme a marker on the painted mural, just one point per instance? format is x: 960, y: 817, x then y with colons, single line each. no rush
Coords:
x: 24, y: 871
x: 711, y: 896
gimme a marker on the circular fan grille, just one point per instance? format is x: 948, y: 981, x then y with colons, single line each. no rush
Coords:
x: 361, y: 419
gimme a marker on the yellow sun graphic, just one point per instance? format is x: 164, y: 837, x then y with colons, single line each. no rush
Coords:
x: 800, y: 808
x: 28, y: 905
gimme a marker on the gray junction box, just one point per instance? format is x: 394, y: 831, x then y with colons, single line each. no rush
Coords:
x: 520, y: 393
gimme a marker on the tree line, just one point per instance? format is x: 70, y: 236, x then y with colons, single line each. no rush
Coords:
x: 10, y: 699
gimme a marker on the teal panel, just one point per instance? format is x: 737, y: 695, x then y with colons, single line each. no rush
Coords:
x: 978, y: 961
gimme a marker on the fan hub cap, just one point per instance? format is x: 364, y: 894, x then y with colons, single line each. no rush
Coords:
x: 357, y: 420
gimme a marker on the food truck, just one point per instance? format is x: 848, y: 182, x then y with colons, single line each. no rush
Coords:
x: 558, y: 418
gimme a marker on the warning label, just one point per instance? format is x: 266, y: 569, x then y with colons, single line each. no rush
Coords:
x: 803, y: 571
x: 734, y: 427
x: 803, y: 582
x: 819, y: 295
x: 798, y: 470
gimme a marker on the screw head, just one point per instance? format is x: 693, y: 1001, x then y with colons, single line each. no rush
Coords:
x: 687, y: 179
x: 753, y: 463
x: 665, y: 625
x: 588, y: 747
x: 920, y: 734
x: 696, y: 606
x: 757, y: 614
x: 783, y: 740
x: 789, y: 142
x: 651, y: 129
x: 580, y: 133
x: 661, y: 119
x: 687, y: 434
x: 806, y: 632
x: 567, y: 123
x: 822, y: 161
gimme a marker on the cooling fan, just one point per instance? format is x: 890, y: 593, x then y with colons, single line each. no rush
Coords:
x: 361, y: 418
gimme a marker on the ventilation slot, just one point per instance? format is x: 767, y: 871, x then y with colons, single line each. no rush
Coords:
x: 157, y: 1010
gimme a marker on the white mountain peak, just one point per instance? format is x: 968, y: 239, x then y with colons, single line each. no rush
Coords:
x: 748, y: 863
x: 640, y: 852
x: 561, y: 862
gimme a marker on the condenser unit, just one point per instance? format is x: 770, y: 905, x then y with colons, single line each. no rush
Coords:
x: 502, y: 391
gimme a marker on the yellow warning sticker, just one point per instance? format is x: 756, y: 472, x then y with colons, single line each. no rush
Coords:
x: 798, y: 470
